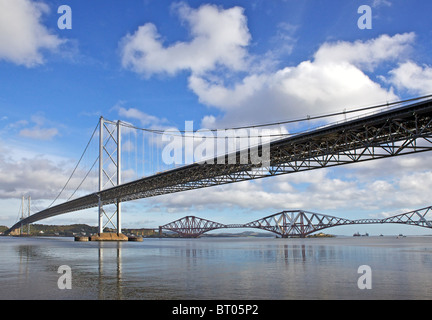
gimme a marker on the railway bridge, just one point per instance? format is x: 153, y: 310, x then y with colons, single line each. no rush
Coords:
x: 294, y: 223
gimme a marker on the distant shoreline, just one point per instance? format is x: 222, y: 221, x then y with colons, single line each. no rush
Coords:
x: 41, y: 230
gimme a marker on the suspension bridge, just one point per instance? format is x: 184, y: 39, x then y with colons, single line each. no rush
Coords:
x: 392, y: 130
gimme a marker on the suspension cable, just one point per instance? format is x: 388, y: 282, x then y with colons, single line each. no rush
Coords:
x: 79, y: 161
x: 85, y: 177
x: 307, y: 118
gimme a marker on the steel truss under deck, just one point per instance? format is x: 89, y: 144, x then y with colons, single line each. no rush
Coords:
x: 401, y: 131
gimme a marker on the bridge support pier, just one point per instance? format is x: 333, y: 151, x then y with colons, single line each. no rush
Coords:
x: 109, y: 146
x: 109, y: 236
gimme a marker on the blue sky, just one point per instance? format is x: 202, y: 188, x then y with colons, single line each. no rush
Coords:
x: 157, y: 64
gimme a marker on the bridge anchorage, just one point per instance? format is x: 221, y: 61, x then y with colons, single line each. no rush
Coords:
x: 294, y: 223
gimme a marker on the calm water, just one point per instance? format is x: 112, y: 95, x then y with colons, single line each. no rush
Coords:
x: 217, y: 268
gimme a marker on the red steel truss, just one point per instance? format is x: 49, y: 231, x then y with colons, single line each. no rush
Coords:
x: 294, y: 223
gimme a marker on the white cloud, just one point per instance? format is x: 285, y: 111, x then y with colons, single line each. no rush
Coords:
x: 284, y: 40
x: 366, y: 55
x: 412, y: 77
x: 144, y: 118
x: 38, y: 131
x: 144, y: 51
x: 309, y: 88
x: 26, y: 172
x: 23, y: 37
x: 334, y: 80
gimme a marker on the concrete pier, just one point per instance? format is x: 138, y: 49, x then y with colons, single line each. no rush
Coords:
x: 108, y: 236
x: 139, y: 239
x: 81, y: 238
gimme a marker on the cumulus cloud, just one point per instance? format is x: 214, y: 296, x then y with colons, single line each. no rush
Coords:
x: 23, y: 37
x: 308, y: 89
x: 336, y: 78
x: 144, y: 51
x: 367, y: 55
x: 412, y: 77
x: 25, y: 173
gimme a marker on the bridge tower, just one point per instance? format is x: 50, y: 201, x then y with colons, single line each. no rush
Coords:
x: 109, y: 176
x: 21, y: 232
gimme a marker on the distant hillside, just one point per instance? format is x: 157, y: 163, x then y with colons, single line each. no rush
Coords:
x: 240, y: 234
x: 59, y: 230
x: 77, y: 230
x: 86, y: 230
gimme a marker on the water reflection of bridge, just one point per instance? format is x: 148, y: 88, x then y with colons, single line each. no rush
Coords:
x: 294, y: 223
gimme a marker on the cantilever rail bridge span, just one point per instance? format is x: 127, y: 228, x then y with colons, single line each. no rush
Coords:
x: 399, y: 131
x: 294, y: 223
